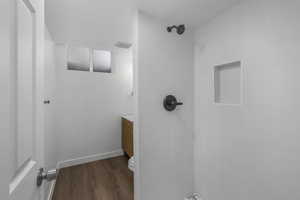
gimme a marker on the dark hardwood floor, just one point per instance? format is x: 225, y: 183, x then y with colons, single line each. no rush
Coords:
x: 101, y: 180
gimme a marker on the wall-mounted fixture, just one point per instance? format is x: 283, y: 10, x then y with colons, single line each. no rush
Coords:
x: 179, y: 29
x: 47, y: 102
x: 193, y: 197
x: 170, y: 103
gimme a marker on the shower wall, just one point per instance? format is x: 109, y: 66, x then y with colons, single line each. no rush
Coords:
x: 165, y: 66
x: 250, y: 151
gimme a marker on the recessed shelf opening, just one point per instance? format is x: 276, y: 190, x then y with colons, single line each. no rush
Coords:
x: 227, y: 83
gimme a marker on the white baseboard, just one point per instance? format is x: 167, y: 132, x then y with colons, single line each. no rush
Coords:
x: 87, y: 159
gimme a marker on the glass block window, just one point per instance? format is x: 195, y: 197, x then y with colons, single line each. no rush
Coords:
x: 101, y: 61
x: 78, y: 59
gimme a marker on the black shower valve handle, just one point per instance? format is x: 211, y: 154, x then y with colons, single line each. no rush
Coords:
x: 173, y: 102
x: 170, y: 103
x: 179, y: 103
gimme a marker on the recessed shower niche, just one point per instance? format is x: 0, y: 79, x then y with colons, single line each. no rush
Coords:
x: 227, y: 83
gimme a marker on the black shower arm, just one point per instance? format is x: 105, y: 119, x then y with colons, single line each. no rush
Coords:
x: 170, y: 28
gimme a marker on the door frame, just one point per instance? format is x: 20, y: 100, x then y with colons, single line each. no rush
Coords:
x: 136, y: 128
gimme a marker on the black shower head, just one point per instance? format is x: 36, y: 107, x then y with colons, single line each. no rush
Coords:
x: 179, y: 29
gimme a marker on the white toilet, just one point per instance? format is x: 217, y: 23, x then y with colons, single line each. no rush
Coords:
x: 131, y: 163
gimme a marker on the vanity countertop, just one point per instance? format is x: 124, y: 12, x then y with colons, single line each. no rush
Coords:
x: 129, y: 117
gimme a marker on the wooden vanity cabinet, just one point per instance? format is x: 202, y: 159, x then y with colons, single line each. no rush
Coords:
x: 127, y: 137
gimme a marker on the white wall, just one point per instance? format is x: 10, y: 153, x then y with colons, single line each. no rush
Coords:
x: 50, y: 93
x: 96, y: 22
x: 88, y: 106
x: 250, y: 151
x: 165, y: 66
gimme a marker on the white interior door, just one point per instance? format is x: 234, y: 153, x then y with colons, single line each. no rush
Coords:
x: 5, y: 86
x: 23, y: 184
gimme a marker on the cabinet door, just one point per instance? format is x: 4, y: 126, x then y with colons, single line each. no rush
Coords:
x: 127, y: 137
